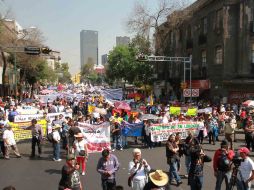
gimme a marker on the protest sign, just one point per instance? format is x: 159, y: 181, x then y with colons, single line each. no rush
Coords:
x: 132, y: 130
x: 175, y: 110
x: 97, y: 136
x: 21, y: 134
x: 161, y: 132
x: 191, y: 112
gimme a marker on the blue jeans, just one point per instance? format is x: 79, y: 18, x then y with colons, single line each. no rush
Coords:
x: 173, y: 172
x: 240, y: 186
x: 187, y: 163
x: 117, y: 141
x: 56, y: 150
x: 220, y: 177
x: 124, y: 141
x: 197, y: 182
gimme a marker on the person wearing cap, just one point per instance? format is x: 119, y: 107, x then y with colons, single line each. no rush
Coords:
x: 9, y: 142
x: 222, y: 171
x: 247, y: 170
x: 37, y: 135
x: 172, y: 159
x: 107, y: 166
x: 56, y: 142
x: 81, y: 151
x: 158, y: 181
x: 249, y: 133
x: 70, y: 176
x: 138, y: 169
x: 2, y: 128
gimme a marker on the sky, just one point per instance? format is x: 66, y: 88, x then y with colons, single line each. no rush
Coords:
x: 62, y: 20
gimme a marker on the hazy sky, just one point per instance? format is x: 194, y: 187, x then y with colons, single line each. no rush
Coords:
x: 62, y: 20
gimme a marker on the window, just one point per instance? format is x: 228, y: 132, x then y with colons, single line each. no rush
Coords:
x: 218, y: 56
x: 204, y: 25
x: 203, y: 54
x: 219, y: 18
x: 252, y: 53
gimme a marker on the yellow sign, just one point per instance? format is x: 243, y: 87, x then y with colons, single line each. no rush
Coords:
x: 192, y: 112
x: 91, y: 108
x: 22, y: 134
x: 175, y: 110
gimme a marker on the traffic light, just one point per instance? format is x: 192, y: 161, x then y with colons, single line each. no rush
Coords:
x: 45, y: 50
x: 32, y: 50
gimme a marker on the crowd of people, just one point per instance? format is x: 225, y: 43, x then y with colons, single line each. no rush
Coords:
x: 222, y: 120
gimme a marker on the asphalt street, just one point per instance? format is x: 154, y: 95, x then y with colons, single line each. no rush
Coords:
x: 43, y: 173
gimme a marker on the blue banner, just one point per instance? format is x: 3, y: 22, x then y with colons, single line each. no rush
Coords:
x: 132, y: 130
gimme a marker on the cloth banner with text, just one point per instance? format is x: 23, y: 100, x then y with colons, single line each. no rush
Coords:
x: 97, y: 136
x: 21, y: 134
x: 161, y: 132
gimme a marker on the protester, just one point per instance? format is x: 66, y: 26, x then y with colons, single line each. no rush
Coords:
x: 198, y: 157
x: 138, y: 169
x: 107, y: 166
x: 70, y: 176
x: 2, y: 128
x: 116, y: 135
x: 249, y: 131
x: 246, y: 169
x: 230, y: 125
x: 221, y: 165
x: 81, y: 151
x: 10, y: 143
x: 37, y: 136
x: 172, y: 159
x: 158, y: 181
x: 56, y: 143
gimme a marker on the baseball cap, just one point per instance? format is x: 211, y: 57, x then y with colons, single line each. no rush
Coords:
x: 244, y: 150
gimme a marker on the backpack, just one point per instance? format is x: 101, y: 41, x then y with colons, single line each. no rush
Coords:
x: 223, y: 162
x: 50, y: 137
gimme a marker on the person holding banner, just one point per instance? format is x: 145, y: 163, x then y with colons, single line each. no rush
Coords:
x: 37, y: 136
x: 81, y: 151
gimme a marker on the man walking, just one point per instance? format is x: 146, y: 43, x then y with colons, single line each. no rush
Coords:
x: 1, y: 139
x: 56, y: 142
x: 107, y: 166
x: 221, y: 165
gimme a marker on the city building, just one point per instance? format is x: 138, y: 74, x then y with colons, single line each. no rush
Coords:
x: 104, y: 59
x: 52, y: 58
x: 88, y: 47
x: 122, y: 40
x: 219, y: 36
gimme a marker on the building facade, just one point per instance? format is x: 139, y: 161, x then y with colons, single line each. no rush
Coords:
x: 219, y: 35
x: 104, y: 59
x: 88, y: 47
x: 122, y: 40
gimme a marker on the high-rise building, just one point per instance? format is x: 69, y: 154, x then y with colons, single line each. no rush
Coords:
x: 88, y: 47
x: 122, y: 40
x: 104, y: 59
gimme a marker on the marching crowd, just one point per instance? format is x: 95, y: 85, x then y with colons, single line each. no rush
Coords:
x: 236, y: 170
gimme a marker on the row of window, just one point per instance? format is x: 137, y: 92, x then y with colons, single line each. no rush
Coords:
x: 218, y: 56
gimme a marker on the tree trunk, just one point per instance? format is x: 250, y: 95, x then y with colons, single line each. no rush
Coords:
x: 3, y: 74
x: 32, y: 91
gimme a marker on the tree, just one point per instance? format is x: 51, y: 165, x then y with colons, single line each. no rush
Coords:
x: 65, y: 76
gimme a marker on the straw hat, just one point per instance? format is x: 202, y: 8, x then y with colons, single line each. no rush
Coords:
x: 79, y: 135
x: 56, y: 126
x: 159, y: 178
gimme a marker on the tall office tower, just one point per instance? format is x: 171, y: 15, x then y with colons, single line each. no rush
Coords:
x: 88, y: 47
x: 104, y: 59
x: 122, y: 40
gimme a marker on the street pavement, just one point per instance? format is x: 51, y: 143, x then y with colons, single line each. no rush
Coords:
x: 43, y: 173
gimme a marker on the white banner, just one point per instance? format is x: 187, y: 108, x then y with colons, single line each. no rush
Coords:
x: 50, y: 116
x: 97, y: 136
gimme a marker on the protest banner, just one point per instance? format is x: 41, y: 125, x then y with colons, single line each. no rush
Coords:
x: 132, y: 130
x: 175, y: 110
x: 192, y: 112
x: 21, y: 134
x: 161, y: 132
x: 97, y: 136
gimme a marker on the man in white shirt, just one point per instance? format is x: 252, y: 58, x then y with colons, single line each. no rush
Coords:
x: 56, y: 143
x: 246, y: 169
x: 138, y: 169
x: 10, y: 143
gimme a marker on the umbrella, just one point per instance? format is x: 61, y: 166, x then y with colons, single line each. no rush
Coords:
x: 248, y: 103
x: 28, y: 100
x: 122, y: 106
x: 148, y: 116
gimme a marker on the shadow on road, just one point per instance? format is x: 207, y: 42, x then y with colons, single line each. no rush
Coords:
x: 53, y: 171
